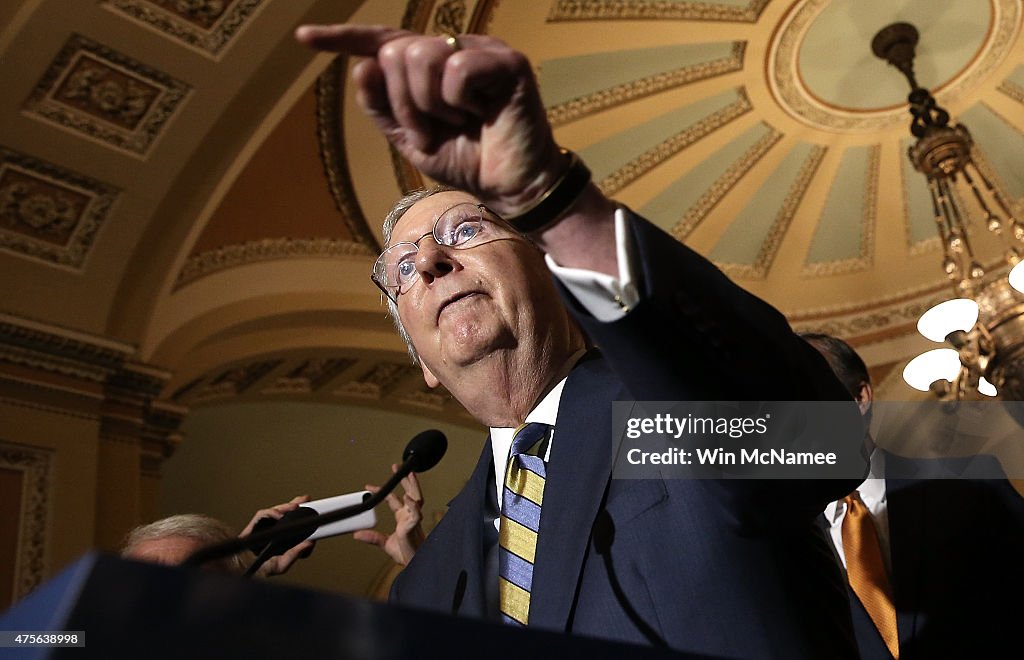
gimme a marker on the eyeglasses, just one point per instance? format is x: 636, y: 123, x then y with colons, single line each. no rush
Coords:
x: 460, y: 227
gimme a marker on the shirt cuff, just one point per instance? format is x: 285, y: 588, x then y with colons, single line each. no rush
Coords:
x: 607, y: 298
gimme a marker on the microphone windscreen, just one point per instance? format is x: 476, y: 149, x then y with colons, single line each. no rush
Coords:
x: 425, y: 450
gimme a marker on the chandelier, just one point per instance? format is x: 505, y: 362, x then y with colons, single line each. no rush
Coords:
x: 984, y: 324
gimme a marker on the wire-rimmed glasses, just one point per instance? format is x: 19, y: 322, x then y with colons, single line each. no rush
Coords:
x: 465, y: 225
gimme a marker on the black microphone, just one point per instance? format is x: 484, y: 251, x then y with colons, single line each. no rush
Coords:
x: 422, y: 453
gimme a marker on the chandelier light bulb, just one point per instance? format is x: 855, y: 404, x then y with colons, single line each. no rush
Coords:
x: 926, y: 368
x: 1017, y: 277
x: 956, y: 243
x: 949, y: 316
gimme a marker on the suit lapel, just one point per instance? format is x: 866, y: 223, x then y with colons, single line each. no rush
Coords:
x: 456, y: 549
x: 577, y: 475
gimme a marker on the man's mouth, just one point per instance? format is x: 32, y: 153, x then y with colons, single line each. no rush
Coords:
x: 454, y: 299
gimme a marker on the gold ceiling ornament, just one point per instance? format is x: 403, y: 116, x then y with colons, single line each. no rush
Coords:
x: 691, y: 10
x: 792, y: 91
x: 984, y: 324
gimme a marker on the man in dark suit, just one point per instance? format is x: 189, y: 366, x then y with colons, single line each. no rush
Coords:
x: 541, y: 534
x: 951, y: 547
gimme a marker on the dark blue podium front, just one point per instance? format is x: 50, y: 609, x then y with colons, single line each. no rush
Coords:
x: 133, y: 610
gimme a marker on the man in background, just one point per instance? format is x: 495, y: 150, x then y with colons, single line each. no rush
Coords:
x: 934, y: 565
x: 172, y: 540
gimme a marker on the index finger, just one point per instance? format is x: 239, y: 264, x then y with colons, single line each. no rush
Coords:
x: 362, y: 40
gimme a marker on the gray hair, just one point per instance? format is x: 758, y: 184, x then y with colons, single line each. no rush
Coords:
x: 392, y: 218
x: 204, y: 529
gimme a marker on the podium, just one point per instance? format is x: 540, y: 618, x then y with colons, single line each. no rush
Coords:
x: 132, y: 610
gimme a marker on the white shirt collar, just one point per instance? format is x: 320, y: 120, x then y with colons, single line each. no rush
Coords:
x: 872, y: 489
x: 545, y: 412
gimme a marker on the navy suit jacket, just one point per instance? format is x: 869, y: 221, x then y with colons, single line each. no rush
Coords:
x: 724, y: 568
x: 957, y: 557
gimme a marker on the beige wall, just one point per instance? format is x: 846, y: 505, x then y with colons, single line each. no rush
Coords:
x: 238, y: 458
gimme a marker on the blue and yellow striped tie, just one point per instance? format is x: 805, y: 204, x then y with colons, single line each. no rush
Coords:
x: 520, y: 521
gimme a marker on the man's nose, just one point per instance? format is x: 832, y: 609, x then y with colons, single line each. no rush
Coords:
x: 433, y: 261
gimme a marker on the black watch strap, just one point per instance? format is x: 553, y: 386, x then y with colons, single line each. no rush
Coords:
x: 556, y: 201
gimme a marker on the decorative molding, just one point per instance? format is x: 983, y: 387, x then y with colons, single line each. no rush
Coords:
x: 924, y: 296
x: 66, y: 372
x: 618, y: 10
x: 793, y: 96
x: 206, y: 25
x: 650, y: 159
x: 1013, y: 90
x: 873, y: 321
x: 51, y: 409
x: 378, y: 381
x: 867, y: 235
x: 418, y: 13
x: 330, y: 95
x: 450, y: 17
x: 103, y: 95
x: 345, y: 377
x: 770, y: 247
x: 630, y: 91
x: 235, y: 380
x: 35, y: 464
x: 721, y: 187
x: 50, y: 213
x: 309, y: 376
x: 266, y: 249
x: 56, y: 350
x: 881, y: 319
x: 53, y: 364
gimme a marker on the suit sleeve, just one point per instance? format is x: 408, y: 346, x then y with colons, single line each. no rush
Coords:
x: 697, y: 336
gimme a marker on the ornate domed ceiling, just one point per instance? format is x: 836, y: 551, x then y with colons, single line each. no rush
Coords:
x: 183, y: 180
x: 768, y: 136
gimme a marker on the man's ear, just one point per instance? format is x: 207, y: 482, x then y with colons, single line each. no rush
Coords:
x: 429, y: 376
x: 864, y: 397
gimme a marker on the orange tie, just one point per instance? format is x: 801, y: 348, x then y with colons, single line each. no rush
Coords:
x: 866, y: 571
